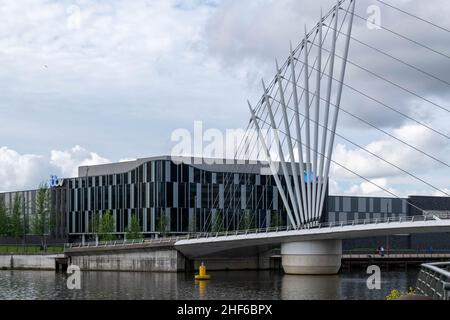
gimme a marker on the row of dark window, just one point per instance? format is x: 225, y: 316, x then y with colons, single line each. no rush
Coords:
x: 179, y: 220
x: 163, y: 195
x: 167, y: 171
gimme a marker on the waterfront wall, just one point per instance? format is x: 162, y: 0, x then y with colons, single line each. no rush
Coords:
x: 161, y: 260
x: 163, y: 257
x: 27, y: 262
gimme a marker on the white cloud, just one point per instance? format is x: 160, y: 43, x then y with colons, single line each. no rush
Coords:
x: 394, y: 152
x: 27, y: 171
x: 68, y: 161
x: 21, y: 171
x: 135, y: 67
x: 372, y: 188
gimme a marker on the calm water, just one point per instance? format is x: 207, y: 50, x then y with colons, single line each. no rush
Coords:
x: 224, y: 285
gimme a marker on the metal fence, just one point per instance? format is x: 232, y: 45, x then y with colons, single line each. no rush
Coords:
x: 311, y: 226
x: 114, y: 243
x: 318, y: 225
x: 434, y: 280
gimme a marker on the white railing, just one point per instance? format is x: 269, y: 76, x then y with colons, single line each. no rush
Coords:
x: 315, y: 225
x: 312, y: 225
x: 434, y: 280
x: 117, y: 243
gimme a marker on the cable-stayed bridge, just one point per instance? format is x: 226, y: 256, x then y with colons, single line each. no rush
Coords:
x: 293, y: 128
x: 315, y: 250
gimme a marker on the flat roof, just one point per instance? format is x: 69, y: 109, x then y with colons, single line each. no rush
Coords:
x: 208, y: 164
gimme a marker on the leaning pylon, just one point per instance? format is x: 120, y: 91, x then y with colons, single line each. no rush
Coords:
x: 305, y: 182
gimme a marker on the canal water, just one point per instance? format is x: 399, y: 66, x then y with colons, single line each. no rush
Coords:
x: 246, y: 285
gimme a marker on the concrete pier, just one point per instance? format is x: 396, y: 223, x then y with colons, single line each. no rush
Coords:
x: 145, y: 257
x: 312, y: 257
x: 29, y: 261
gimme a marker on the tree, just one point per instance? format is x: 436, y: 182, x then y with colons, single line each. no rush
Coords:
x: 41, y: 216
x: 106, y: 228
x: 134, y: 229
x: 247, y: 222
x: 217, y: 224
x: 276, y: 220
x: 162, y: 223
x: 17, y: 227
x: 4, y: 219
x: 94, y: 223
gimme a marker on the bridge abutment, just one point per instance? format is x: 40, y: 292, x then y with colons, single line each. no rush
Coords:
x: 312, y: 257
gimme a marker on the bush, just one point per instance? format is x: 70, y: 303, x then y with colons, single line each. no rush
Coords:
x: 397, y: 294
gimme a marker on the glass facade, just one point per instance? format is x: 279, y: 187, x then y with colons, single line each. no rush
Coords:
x: 187, y: 198
x: 57, y: 209
x: 342, y: 208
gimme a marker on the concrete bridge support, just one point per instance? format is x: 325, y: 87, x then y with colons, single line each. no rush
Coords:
x: 312, y: 257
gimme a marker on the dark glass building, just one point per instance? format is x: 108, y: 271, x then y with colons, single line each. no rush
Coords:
x: 190, y: 196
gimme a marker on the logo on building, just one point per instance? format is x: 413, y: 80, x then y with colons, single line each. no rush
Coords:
x: 55, y: 182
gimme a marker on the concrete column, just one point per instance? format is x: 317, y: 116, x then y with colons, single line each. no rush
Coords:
x: 312, y: 257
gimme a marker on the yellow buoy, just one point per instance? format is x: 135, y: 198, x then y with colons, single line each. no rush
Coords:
x: 202, y: 273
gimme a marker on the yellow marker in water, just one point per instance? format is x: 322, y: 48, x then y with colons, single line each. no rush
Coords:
x: 202, y: 273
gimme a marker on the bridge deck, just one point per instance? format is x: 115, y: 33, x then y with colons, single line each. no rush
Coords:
x: 212, y: 243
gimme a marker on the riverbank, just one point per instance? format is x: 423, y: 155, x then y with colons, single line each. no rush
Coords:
x: 29, y: 261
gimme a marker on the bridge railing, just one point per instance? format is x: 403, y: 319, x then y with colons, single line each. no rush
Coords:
x: 434, y: 280
x: 397, y: 253
x: 114, y: 243
x: 318, y: 225
x: 313, y: 225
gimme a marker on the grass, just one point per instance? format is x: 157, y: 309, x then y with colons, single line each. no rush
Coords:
x: 31, y: 249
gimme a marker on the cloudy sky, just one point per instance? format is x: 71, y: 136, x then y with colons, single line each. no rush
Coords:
x: 86, y: 82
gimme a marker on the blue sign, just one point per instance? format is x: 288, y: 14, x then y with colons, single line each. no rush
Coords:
x: 310, y: 175
x: 55, y: 182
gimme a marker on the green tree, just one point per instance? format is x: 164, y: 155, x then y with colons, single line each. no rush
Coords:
x: 94, y: 224
x: 247, y: 221
x: 276, y: 220
x: 4, y: 218
x: 217, y: 224
x: 162, y: 223
x: 17, y: 222
x: 41, y: 215
x: 134, y: 229
x: 106, y: 228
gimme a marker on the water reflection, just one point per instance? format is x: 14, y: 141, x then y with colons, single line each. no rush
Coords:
x: 201, y: 285
x: 223, y: 285
x: 310, y: 287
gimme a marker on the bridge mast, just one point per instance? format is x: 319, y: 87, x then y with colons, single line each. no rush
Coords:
x: 337, y: 105
x: 305, y: 197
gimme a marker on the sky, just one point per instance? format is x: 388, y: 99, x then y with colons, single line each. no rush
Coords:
x: 92, y: 82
